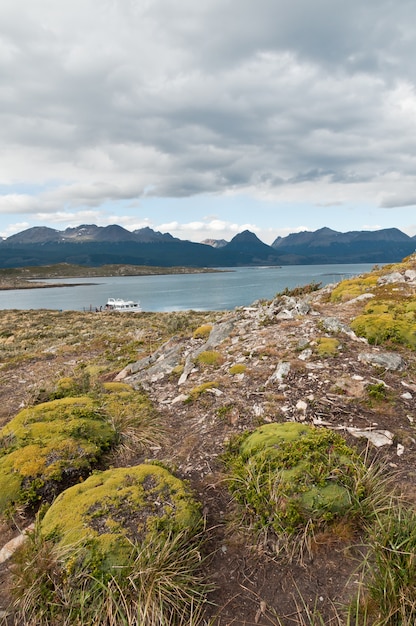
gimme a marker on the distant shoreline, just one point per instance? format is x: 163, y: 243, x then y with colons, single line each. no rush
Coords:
x: 27, y: 277
x: 15, y: 286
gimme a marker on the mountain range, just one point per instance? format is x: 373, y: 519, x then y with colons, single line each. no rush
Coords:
x: 93, y: 245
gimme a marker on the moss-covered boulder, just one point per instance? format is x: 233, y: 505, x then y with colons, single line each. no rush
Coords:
x: 289, y: 476
x: 48, y: 446
x: 123, y: 547
x: 114, y: 510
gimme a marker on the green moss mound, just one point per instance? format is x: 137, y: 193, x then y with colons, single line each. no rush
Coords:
x: 290, y: 476
x: 123, y: 547
x: 118, y: 508
x: 48, y: 446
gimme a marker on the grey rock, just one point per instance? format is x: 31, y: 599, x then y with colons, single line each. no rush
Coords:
x: 158, y: 365
x: 388, y: 279
x: 410, y: 275
x: 388, y: 360
x: 281, y: 371
x: 11, y: 546
x: 189, y: 366
x: 334, y: 325
x: 219, y: 333
x: 378, y: 438
x: 305, y: 354
x: 287, y: 307
x: 361, y: 297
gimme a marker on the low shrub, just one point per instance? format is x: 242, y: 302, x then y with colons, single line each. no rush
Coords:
x: 300, y: 290
x: 238, y: 368
x: 388, y: 321
x: 202, y: 332
x: 209, y: 358
x: 377, y: 391
x: 327, y: 346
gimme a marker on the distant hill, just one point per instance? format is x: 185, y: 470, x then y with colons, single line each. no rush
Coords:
x: 329, y: 246
x: 215, y: 243
x: 94, y: 246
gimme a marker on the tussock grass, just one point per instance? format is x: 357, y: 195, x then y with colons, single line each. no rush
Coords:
x: 136, y: 423
x: 160, y: 585
x: 389, y: 571
x: 209, y: 358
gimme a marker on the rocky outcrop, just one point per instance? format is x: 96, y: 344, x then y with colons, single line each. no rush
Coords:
x: 274, y: 365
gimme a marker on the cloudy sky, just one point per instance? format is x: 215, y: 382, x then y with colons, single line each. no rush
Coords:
x: 206, y: 118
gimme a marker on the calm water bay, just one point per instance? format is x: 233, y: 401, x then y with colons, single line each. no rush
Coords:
x: 219, y: 291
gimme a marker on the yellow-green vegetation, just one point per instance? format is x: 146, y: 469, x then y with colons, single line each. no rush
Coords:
x: 388, y: 321
x: 377, y: 392
x: 200, y: 389
x: 202, y: 332
x: 327, y: 346
x: 53, y: 444
x: 237, y: 368
x: 111, y: 509
x: 209, y: 358
x: 390, y: 315
x: 292, y: 477
x: 353, y: 287
x: 120, y: 548
x: 70, y: 386
x: 50, y: 445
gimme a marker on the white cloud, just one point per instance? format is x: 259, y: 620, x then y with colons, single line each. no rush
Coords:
x: 12, y: 229
x: 213, y: 229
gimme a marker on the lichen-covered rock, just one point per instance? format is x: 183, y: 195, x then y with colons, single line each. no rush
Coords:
x: 113, y: 510
x: 334, y: 325
x: 387, y: 360
x: 393, y: 277
x: 280, y: 373
x: 287, y: 307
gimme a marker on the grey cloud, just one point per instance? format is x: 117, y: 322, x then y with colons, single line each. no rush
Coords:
x: 391, y: 202
x: 191, y: 97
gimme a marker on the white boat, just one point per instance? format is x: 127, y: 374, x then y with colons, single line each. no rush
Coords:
x: 117, y: 304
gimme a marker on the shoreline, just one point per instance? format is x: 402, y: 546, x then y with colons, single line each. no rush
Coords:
x: 31, y: 277
x: 27, y: 285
